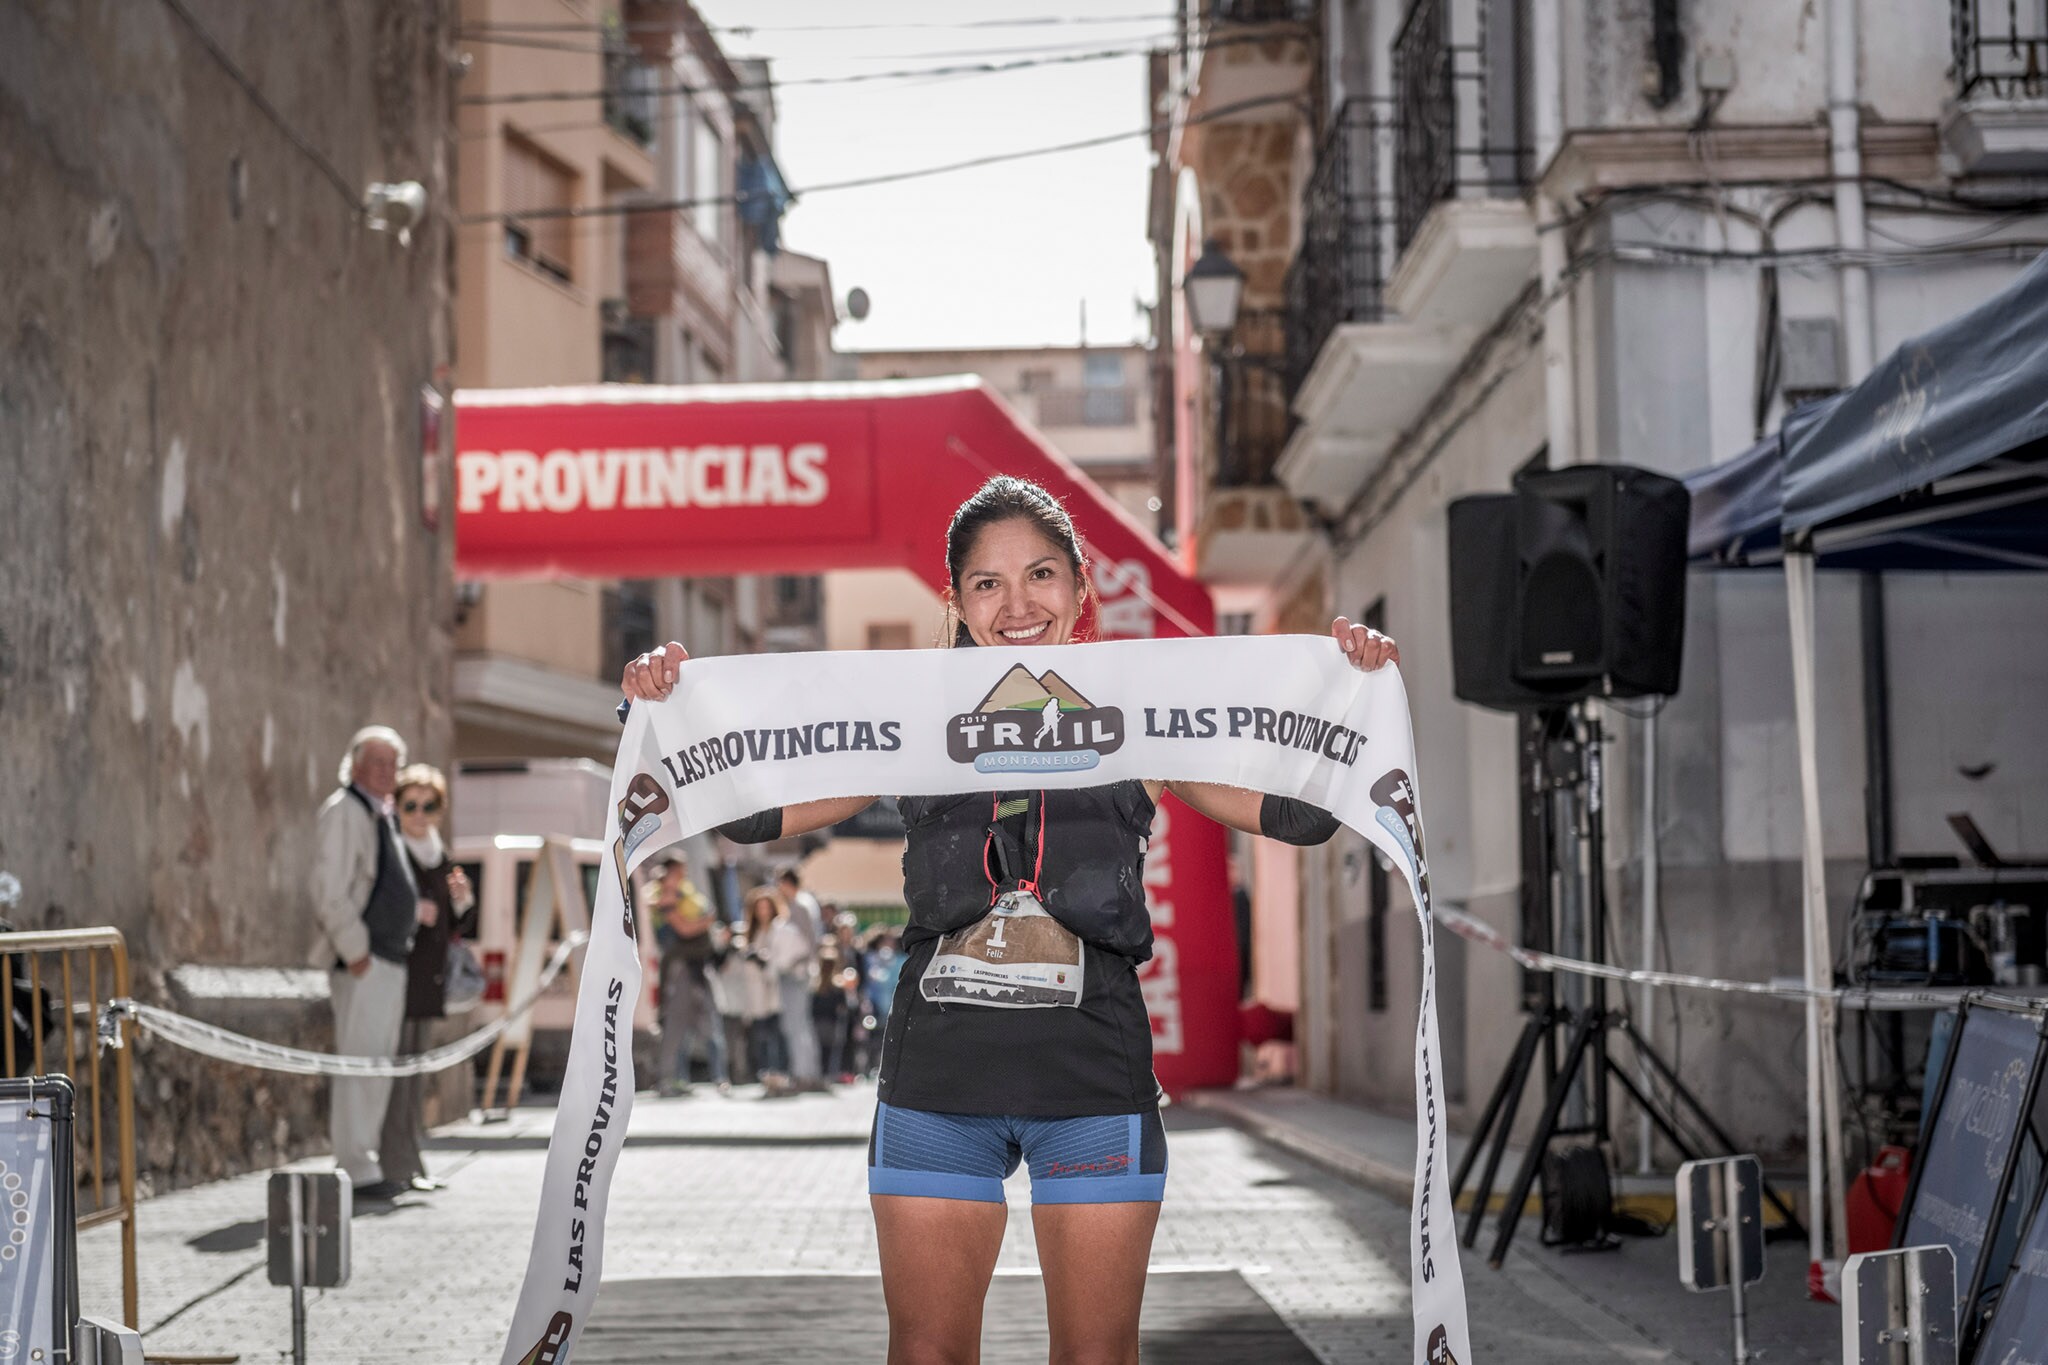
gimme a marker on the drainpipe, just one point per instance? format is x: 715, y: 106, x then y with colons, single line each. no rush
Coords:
x: 1845, y: 163
x: 1560, y: 390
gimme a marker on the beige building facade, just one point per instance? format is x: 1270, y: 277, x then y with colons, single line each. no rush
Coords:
x: 686, y: 289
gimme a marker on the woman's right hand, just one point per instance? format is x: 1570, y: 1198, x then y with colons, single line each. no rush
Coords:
x: 652, y: 676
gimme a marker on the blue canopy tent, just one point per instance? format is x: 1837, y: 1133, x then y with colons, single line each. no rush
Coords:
x: 1938, y: 459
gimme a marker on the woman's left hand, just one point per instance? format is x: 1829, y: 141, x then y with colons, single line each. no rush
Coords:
x: 1365, y: 647
x: 460, y: 893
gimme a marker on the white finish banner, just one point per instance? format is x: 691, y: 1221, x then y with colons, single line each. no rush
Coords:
x: 1280, y: 714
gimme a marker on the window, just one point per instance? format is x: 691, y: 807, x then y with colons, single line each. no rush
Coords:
x: 535, y: 181
x: 707, y: 180
x: 628, y: 614
x: 889, y: 635
x: 1100, y: 371
x: 1034, y: 381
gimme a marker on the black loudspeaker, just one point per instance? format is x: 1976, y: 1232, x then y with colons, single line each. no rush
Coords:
x: 1571, y: 586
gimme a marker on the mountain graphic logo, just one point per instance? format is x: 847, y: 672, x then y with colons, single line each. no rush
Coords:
x: 1034, y: 722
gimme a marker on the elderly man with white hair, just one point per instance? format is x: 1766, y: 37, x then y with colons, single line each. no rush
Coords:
x: 367, y: 905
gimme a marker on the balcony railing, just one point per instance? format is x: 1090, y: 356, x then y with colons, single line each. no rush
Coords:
x: 630, y: 102
x: 1252, y: 421
x: 1339, y: 271
x: 1458, y: 112
x: 1425, y: 160
x: 1092, y: 406
x: 2001, y: 48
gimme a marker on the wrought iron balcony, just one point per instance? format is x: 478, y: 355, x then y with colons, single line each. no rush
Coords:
x: 1339, y: 271
x: 1252, y: 422
x: 1425, y: 160
x: 631, y: 104
x: 1092, y: 406
x: 2000, y: 47
x: 1458, y: 117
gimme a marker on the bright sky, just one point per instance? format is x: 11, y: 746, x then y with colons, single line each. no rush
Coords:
x: 1002, y: 255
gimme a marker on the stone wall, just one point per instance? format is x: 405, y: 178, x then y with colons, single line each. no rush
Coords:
x: 218, y: 552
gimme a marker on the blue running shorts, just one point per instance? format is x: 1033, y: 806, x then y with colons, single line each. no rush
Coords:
x: 1106, y: 1159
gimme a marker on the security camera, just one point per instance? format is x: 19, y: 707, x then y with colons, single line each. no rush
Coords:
x: 395, y: 208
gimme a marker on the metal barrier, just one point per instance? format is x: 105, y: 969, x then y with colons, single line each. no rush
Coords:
x: 66, y: 998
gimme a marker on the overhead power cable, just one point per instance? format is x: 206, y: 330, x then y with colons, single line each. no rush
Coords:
x: 613, y: 41
x: 844, y: 78
x: 303, y: 145
x: 583, y: 211
x: 1031, y: 21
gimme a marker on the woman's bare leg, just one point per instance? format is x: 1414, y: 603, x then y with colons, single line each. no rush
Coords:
x: 1093, y: 1258
x: 937, y: 1257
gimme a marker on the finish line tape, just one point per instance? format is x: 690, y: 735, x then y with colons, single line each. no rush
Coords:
x: 1866, y: 998
x: 224, y: 1045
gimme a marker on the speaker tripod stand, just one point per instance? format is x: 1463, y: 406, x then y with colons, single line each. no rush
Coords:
x: 1568, y: 767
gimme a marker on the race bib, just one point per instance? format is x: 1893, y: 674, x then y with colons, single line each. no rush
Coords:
x: 1015, y: 957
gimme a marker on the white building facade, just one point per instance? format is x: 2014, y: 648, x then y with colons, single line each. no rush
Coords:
x: 1557, y: 232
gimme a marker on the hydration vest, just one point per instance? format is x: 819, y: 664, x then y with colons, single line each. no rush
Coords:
x: 1084, y: 850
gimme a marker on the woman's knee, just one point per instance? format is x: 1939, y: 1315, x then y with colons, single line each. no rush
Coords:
x: 924, y: 1347
x: 1096, y: 1348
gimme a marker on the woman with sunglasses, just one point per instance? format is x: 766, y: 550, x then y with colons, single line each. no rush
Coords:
x: 970, y: 1091
x: 447, y: 907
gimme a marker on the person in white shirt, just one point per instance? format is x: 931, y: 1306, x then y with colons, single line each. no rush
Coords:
x: 803, y: 906
x: 366, y: 903
x: 791, y: 955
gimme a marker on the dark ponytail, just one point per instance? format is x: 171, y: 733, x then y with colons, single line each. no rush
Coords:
x: 1006, y: 498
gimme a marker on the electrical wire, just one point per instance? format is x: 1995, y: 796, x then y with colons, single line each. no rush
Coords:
x: 348, y: 192
x: 614, y: 42
x: 595, y: 211
x: 1028, y: 21
x: 985, y: 68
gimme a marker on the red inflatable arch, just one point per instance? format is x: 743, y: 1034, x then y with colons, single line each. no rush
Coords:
x: 638, y: 481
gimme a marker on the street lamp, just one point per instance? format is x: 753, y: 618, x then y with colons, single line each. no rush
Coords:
x: 1213, y: 287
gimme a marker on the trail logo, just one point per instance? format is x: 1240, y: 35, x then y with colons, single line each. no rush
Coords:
x: 1034, y: 724
x: 553, y: 1343
x: 640, y: 813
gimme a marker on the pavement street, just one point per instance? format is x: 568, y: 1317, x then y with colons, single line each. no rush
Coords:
x: 712, y: 1188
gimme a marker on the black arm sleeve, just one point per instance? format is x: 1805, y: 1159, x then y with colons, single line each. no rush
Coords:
x: 758, y: 828
x: 1295, y: 822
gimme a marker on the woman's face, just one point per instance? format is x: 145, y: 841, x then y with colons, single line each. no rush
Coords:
x: 419, y: 810
x: 1017, y: 588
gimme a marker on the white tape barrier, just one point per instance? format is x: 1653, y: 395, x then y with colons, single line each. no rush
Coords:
x: 1867, y: 998
x: 224, y: 1045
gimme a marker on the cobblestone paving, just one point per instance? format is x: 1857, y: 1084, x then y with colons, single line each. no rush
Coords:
x: 711, y: 1186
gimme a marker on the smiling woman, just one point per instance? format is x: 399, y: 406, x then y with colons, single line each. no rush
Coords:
x: 1016, y: 567
x: 1021, y: 1035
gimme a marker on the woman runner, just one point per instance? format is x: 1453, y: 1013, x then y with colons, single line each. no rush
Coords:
x: 969, y: 1090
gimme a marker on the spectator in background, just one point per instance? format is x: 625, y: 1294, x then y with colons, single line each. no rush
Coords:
x: 791, y: 954
x: 884, y: 958
x: 830, y: 1008
x: 687, y: 932
x: 367, y: 906
x: 742, y: 992
x: 804, y: 909
x: 447, y: 907
x: 843, y: 1059
x: 762, y: 996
